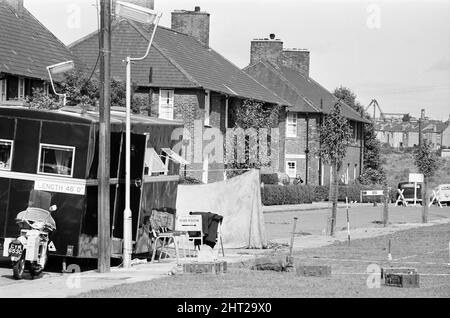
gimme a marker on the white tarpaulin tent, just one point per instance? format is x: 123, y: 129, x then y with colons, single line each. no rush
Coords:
x: 238, y: 200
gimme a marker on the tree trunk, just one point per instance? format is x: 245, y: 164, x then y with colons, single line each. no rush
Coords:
x: 334, y: 199
x: 425, y: 201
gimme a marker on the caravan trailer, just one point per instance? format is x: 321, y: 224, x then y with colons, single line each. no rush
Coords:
x: 57, y: 152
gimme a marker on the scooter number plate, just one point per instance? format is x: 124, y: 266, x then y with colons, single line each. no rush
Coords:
x: 15, y: 250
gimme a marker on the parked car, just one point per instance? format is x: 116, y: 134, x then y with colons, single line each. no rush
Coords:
x: 443, y: 193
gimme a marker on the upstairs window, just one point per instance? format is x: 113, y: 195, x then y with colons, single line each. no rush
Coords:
x: 56, y: 160
x: 3, y: 90
x: 166, y: 104
x: 21, y: 88
x: 153, y: 164
x: 6, y: 148
x: 291, y: 125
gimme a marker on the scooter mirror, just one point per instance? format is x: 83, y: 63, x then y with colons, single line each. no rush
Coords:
x: 53, y: 208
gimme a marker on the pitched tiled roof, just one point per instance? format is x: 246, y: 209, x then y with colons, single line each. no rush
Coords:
x: 317, y: 94
x: 176, y: 61
x: 305, y: 88
x: 26, y: 46
x: 268, y: 75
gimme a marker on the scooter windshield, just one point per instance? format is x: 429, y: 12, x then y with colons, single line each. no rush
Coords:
x: 34, y: 215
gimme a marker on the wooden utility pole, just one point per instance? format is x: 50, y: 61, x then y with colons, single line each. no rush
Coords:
x: 104, y: 236
x: 425, y: 181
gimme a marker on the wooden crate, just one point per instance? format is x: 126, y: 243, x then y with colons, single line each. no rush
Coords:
x: 401, y: 280
x: 314, y: 270
x: 270, y: 263
x: 218, y: 267
x: 397, y: 270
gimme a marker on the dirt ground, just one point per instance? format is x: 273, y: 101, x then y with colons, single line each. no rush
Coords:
x: 425, y: 249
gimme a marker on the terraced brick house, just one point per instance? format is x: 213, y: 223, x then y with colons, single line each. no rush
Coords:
x: 286, y: 73
x: 26, y: 49
x: 183, y: 78
x: 398, y: 134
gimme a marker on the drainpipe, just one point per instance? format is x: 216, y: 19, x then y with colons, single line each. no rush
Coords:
x: 307, y: 148
x: 321, y: 172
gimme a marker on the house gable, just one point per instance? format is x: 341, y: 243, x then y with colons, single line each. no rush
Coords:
x: 26, y: 46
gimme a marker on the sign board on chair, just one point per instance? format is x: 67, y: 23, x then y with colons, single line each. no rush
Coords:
x: 188, y: 223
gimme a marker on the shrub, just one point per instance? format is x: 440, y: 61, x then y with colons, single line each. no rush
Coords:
x: 271, y: 178
x: 371, y: 176
x: 189, y: 180
x: 289, y: 194
x: 321, y: 193
x: 301, y: 194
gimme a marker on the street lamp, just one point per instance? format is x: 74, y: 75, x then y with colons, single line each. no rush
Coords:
x: 147, y: 16
x: 57, y: 69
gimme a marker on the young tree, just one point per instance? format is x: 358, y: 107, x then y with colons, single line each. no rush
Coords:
x: 427, y: 161
x: 334, y: 135
x: 347, y: 96
x: 256, y: 115
x: 373, y: 172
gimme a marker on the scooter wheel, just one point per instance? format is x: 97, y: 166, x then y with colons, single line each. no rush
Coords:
x: 19, y: 269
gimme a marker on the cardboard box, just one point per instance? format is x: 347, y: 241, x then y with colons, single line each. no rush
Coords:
x: 313, y: 270
x: 218, y: 267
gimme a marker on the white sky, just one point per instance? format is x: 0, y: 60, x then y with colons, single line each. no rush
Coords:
x: 400, y: 57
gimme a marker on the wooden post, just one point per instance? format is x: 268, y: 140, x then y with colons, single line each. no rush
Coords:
x: 348, y: 221
x: 448, y: 253
x: 386, y: 205
x: 104, y: 238
x: 335, y: 194
x: 389, y: 251
x: 292, y: 237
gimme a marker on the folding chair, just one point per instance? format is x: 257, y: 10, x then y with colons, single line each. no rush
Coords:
x: 218, y: 239
x: 162, y: 229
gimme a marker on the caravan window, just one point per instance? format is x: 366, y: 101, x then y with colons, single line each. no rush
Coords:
x: 6, y: 147
x: 56, y: 160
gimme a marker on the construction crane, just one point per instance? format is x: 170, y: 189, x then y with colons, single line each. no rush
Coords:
x: 375, y: 105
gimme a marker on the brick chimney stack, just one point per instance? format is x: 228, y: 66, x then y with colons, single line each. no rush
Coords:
x: 17, y: 5
x: 271, y: 49
x: 268, y: 49
x: 194, y: 23
x: 297, y: 59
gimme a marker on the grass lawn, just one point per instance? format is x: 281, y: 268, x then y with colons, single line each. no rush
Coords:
x: 425, y: 249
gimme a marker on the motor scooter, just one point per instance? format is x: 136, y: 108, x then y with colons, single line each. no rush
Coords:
x: 29, y: 250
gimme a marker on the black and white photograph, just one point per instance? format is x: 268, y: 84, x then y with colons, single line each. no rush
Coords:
x: 225, y: 156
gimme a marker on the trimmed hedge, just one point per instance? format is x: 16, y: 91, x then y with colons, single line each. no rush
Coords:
x: 289, y: 194
x: 189, y: 180
x: 270, y: 178
x: 300, y: 194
